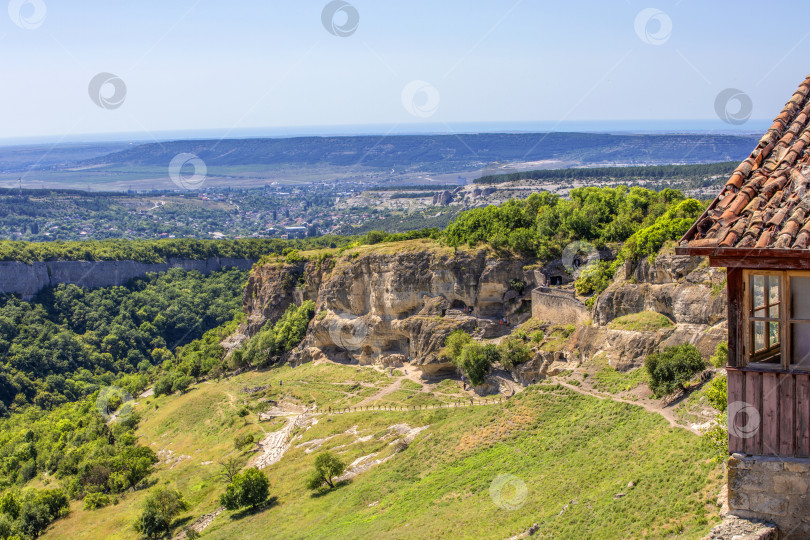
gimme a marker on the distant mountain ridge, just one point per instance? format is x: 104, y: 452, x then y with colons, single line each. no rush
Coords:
x: 439, y: 152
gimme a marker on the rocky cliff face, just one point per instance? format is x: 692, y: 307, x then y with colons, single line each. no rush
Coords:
x: 390, y: 302
x: 28, y: 279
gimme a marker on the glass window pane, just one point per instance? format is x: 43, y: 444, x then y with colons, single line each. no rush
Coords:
x: 800, y: 297
x: 774, y: 333
x: 758, y: 328
x: 800, y: 345
x: 773, y: 289
x: 758, y: 290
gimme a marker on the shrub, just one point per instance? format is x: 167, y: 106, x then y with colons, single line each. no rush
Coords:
x: 182, y: 383
x: 476, y: 360
x: 293, y: 257
x: 671, y: 369
x: 93, y: 501
x: 242, y: 441
x: 248, y: 489
x: 159, y: 510
x: 720, y: 356
x: 163, y: 386
x: 327, y: 467
x: 717, y: 392
x: 513, y: 352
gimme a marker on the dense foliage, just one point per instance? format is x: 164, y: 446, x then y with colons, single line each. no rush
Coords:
x: 672, y: 368
x: 28, y: 514
x: 544, y: 224
x: 76, y: 446
x: 648, y: 172
x: 153, y: 251
x: 276, y: 338
x: 70, y: 340
x: 645, y: 242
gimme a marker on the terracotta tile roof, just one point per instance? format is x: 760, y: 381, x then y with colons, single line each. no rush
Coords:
x: 765, y: 203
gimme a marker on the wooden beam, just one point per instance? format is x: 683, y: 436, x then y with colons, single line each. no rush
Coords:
x: 753, y: 398
x: 787, y: 427
x: 761, y: 263
x: 735, y: 395
x: 802, y: 415
x: 734, y: 280
x: 770, y: 414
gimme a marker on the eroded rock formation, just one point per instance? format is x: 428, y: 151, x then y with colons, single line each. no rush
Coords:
x: 389, y: 302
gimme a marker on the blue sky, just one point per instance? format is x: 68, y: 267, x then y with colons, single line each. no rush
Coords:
x: 231, y: 67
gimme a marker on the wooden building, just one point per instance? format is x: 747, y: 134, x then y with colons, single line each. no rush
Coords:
x: 759, y: 229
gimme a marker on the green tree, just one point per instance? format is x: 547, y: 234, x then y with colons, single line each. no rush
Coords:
x: 159, y: 510
x: 672, y: 368
x: 476, y: 360
x: 327, y: 467
x: 247, y: 489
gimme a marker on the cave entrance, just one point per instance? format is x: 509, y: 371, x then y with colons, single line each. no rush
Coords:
x: 459, y: 305
x: 555, y: 280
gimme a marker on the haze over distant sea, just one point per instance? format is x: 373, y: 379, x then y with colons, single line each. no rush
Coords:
x: 711, y: 126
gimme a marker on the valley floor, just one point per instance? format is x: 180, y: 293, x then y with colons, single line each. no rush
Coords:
x: 574, y: 455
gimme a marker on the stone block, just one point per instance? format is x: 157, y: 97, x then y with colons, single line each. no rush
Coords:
x: 768, y: 505
x: 738, y: 500
x: 790, y: 484
x: 798, y: 467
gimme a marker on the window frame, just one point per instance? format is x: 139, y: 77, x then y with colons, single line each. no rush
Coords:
x: 785, y: 321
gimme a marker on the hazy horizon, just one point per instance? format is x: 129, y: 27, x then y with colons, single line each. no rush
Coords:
x: 647, y: 127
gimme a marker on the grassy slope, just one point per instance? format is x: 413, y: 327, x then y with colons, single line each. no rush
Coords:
x: 564, y: 446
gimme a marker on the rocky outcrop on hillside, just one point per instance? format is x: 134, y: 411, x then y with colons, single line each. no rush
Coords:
x: 684, y: 289
x: 385, y: 303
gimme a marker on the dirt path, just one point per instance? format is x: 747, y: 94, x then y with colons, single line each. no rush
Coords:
x: 390, y: 389
x: 668, y: 414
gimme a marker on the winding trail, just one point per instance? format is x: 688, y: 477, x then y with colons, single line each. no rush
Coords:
x: 668, y: 414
